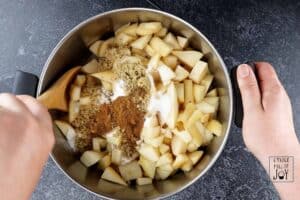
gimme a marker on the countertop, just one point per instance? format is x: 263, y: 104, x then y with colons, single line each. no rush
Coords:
x: 240, y: 30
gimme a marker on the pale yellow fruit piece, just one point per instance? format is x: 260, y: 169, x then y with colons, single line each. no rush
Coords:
x: 196, y: 135
x: 148, y: 166
x: 212, y: 93
x: 199, y: 92
x: 123, y: 39
x: 215, y: 127
x: 105, y: 45
x: 199, y: 71
x: 151, y: 121
x: 184, y: 135
x: 180, y: 92
x: 74, y: 108
x: 166, y: 74
x: 68, y: 131
x: 80, y: 80
x: 155, y: 142
x: 206, y: 81
x: 162, y: 33
x: 143, y: 181
x: 171, y: 61
x: 128, y: 29
x: 173, y: 109
x: 150, y: 51
x: 172, y: 41
x: 116, y: 156
x: 187, y: 166
x: 148, y: 28
x: 153, y: 62
x: 188, y: 111
x: 205, y: 107
x: 94, y: 48
x: 164, y: 159
x: 91, y: 67
x: 75, y: 92
x: 192, y: 147
x: 195, y: 156
x: 131, y: 171
x: 141, y: 42
x: 150, y: 132
x: 180, y: 160
x: 178, y: 146
x: 104, y: 162
x: 189, y: 57
x: 182, y: 41
x: 181, y: 73
x: 188, y: 91
x: 160, y: 46
x: 107, y: 76
x: 149, y: 152
x: 89, y: 158
x: 163, y: 148
x: 164, y: 171
x: 111, y: 175
x: 98, y: 143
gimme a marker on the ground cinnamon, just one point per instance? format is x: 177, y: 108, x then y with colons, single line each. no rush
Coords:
x: 123, y: 113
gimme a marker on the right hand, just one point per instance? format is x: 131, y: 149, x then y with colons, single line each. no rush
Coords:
x: 26, y: 138
x: 268, y: 128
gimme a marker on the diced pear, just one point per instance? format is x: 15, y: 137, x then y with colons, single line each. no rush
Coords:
x: 107, y: 76
x: 199, y: 92
x: 105, y: 45
x: 150, y: 132
x: 141, y: 42
x: 212, y: 100
x: 164, y: 171
x: 116, y: 156
x: 182, y: 41
x: 151, y: 121
x: 173, y: 103
x: 166, y: 74
x: 178, y: 145
x: 75, y: 92
x: 215, y: 127
x: 149, y: 152
x: 199, y: 71
x: 170, y: 61
x: 128, y: 29
x: 207, y: 81
x: 143, y: 181
x: 148, y: 166
x: 131, y: 171
x: 196, y: 135
x: 162, y: 33
x: 188, y: 111
x: 111, y: 175
x: 205, y: 107
x: 68, y: 131
x: 212, y: 93
x: 113, y: 137
x: 192, y: 147
x: 80, y: 80
x: 104, y: 162
x: 164, y: 159
x: 85, y: 100
x: 197, y: 115
x: 74, y: 108
x: 181, y: 73
x: 160, y: 46
x: 187, y: 166
x: 155, y: 142
x: 91, y: 67
x: 189, y: 57
x: 171, y: 40
x: 123, y: 39
x: 180, y: 92
x: 94, y: 48
x: 180, y: 160
x: 150, y: 51
x: 195, y: 156
x: 184, y: 135
x: 188, y: 92
x: 163, y: 148
x: 153, y: 62
x: 90, y: 158
x: 98, y: 143
x: 148, y: 28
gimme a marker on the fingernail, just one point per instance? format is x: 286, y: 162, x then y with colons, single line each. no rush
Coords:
x: 243, y: 70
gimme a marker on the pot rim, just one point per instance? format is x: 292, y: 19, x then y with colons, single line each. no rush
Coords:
x: 230, y: 93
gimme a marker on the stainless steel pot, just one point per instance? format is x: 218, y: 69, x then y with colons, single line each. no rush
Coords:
x: 72, y: 50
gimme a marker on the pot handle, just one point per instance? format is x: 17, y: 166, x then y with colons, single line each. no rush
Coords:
x: 238, y: 104
x: 25, y: 83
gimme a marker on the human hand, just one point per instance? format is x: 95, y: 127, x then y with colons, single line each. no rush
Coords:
x: 268, y: 128
x: 26, y: 138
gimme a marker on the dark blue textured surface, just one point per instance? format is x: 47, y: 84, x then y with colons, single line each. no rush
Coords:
x: 240, y: 30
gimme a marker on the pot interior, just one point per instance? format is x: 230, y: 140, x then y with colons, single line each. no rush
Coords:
x: 72, y: 51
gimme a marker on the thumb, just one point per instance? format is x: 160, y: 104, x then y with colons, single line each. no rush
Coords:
x: 249, y: 89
